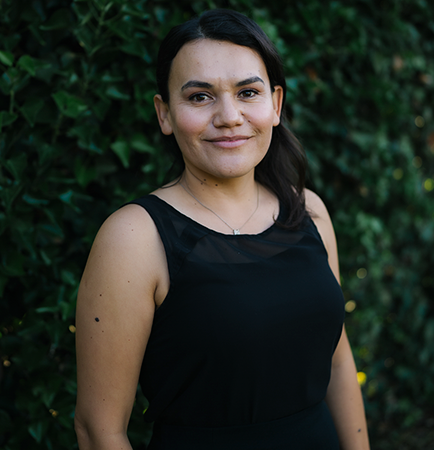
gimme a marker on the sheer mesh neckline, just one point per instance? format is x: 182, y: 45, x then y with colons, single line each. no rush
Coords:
x: 210, y: 230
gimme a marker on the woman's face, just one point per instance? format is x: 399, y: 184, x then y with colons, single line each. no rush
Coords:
x: 221, y: 108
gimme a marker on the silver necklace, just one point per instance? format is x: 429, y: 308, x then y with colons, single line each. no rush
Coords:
x: 234, y: 230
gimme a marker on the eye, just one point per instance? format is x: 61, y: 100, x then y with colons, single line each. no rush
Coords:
x: 198, y: 98
x: 248, y: 93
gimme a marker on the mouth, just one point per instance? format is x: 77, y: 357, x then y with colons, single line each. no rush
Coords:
x: 229, y: 141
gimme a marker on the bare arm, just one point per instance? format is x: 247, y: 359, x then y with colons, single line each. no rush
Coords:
x: 115, y: 309
x: 344, y: 397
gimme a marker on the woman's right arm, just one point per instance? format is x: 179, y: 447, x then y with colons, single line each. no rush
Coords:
x: 115, y: 309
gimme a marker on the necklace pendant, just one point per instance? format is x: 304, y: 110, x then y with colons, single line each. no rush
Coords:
x: 237, y: 231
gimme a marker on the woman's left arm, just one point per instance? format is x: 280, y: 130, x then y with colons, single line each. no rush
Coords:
x: 344, y: 397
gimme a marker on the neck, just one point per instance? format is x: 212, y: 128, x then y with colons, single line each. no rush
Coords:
x: 216, y: 191
x: 233, y: 204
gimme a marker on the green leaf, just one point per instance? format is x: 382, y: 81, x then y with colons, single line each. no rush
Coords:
x: 36, y: 33
x: 101, y: 108
x: 16, y: 165
x: 67, y: 197
x: 8, y: 195
x: 45, y: 257
x: 68, y: 277
x: 134, y: 11
x: 11, y: 41
x: 7, y: 118
x: 38, y: 430
x: 47, y: 309
x: 115, y: 93
x: 55, y: 228
x: 140, y: 143
x: 68, y: 104
x: 84, y: 173
x: 32, y: 65
x: 27, y: 63
x: 31, y: 108
x: 7, y: 58
x: 122, y: 149
x: 136, y: 48
x: 5, y: 86
x: 48, y: 396
x: 13, y: 264
x: 60, y: 19
x: 122, y: 28
x: 35, y: 201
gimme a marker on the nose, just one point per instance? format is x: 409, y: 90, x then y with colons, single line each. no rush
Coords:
x: 228, y: 113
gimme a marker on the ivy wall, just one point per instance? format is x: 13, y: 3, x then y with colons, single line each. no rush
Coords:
x: 79, y: 138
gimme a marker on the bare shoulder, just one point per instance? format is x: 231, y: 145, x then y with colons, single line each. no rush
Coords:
x: 126, y: 226
x: 315, y: 205
x: 320, y: 216
x: 124, y: 253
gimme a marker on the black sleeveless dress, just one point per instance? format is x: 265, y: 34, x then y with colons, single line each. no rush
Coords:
x: 239, y: 355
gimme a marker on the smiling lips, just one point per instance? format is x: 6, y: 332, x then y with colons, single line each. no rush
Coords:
x: 229, y: 141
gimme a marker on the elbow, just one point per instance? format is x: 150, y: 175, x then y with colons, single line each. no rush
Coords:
x: 82, y: 433
x: 92, y: 435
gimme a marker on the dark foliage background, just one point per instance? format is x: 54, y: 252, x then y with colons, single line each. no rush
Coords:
x: 78, y: 138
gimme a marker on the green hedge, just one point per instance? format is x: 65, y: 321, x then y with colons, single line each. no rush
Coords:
x: 78, y: 138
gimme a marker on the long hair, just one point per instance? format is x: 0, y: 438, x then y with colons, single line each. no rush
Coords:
x: 283, y: 169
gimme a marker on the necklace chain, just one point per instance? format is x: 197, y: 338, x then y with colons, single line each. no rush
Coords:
x: 234, y: 230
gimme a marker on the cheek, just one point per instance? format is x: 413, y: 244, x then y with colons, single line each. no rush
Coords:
x: 188, y: 125
x: 264, y: 122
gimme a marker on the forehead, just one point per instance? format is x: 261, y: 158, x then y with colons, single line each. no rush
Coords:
x: 215, y: 61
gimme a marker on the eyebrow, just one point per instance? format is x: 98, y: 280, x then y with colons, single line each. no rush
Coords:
x: 195, y: 83
x: 205, y: 85
x: 250, y: 80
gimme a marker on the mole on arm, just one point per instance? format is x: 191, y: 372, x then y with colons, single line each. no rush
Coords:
x: 96, y: 319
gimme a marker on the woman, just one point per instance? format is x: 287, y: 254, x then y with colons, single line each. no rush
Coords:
x: 223, y: 282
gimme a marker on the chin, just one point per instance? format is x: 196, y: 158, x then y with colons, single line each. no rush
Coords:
x: 236, y: 169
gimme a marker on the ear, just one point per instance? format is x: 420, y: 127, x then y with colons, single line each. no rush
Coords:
x: 277, y: 97
x: 163, y: 114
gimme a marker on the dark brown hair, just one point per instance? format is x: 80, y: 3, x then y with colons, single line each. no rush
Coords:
x: 283, y: 169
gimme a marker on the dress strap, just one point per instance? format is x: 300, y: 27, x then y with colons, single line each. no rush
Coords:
x: 176, y: 232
